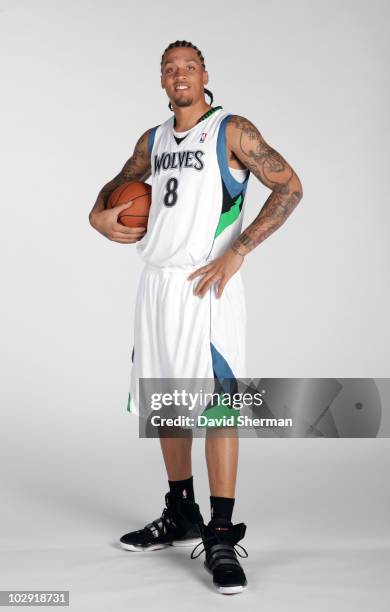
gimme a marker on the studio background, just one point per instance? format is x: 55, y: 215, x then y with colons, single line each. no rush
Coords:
x: 81, y: 83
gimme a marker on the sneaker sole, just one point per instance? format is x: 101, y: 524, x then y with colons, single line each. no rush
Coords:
x: 178, y: 543
x: 187, y: 542
x: 133, y: 548
x: 230, y: 590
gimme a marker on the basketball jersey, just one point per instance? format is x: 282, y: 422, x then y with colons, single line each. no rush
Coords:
x: 197, y: 203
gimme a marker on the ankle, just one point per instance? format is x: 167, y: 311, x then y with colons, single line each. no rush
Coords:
x: 182, y: 489
x: 221, y: 507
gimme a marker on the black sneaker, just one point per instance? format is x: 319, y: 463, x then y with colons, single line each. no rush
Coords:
x: 177, y: 526
x: 220, y: 538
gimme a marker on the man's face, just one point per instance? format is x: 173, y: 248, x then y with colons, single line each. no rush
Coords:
x: 183, y: 76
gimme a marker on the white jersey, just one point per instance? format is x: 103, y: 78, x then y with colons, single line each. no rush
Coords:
x: 196, y: 210
x: 195, y: 215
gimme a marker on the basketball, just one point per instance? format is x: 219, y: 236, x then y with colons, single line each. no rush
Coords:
x: 137, y: 214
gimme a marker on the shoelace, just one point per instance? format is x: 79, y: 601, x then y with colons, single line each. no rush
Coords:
x: 210, y: 539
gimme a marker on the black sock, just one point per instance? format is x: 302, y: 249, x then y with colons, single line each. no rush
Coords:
x: 221, y: 507
x: 182, y: 489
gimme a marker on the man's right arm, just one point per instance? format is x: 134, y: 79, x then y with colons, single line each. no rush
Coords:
x: 137, y: 168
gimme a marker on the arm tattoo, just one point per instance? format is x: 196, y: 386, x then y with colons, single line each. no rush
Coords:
x: 274, y: 172
x: 134, y: 168
x: 137, y: 168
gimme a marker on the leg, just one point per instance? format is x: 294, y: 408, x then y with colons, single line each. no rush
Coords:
x: 179, y: 522
x: 220, y: 536
x: 222, y: 460
x: 176, y: 452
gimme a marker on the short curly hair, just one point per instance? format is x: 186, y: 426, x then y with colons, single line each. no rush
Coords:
x: 186, y: 43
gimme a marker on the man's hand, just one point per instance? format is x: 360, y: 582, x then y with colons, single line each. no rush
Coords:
x: 106, y: 222
x: 220, y: 270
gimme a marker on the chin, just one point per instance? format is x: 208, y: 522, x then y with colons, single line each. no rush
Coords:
x: 183, y: 103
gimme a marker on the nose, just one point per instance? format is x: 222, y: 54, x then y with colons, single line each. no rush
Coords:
x: 179, y: 71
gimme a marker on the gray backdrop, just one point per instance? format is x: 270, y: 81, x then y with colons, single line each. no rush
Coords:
x: 80, y: 83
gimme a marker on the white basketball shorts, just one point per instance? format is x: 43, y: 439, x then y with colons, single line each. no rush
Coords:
x: 180, y: 335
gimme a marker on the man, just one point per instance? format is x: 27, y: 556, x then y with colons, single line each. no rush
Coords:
x: 190, y: 310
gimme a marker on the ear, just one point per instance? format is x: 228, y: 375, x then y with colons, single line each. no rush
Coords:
x: 205, y: 77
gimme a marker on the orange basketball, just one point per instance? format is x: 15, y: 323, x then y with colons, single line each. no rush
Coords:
x: 137, y: 214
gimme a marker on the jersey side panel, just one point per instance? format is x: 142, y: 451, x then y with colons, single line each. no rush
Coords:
x: 230, y: 220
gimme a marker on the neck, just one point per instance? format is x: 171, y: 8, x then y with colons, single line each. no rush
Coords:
x: 187, y: 116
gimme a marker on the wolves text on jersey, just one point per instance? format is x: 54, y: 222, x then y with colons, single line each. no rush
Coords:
x: 179, y: 159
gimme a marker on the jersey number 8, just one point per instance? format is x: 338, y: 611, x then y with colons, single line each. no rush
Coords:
x: 170, y: 197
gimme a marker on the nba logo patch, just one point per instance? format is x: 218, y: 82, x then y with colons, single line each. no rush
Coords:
x: 203, y: 137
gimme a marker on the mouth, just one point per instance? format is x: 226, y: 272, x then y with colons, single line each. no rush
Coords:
x: 181, y: 87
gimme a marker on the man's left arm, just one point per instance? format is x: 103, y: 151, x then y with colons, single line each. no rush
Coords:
x: 247, y: 144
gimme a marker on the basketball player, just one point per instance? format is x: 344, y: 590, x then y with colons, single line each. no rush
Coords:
x: 190, y: 309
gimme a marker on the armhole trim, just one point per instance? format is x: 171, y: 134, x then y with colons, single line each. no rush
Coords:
x: 234, y: 187
x: 152, y: 134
